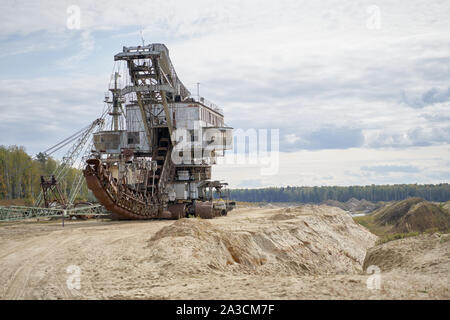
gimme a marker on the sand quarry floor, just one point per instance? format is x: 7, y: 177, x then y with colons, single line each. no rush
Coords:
x: 307, y: 252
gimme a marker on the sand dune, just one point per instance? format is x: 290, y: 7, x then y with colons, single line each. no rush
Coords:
x: 308, y: 252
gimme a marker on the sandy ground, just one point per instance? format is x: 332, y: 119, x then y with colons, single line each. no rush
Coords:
x: 308, y: 252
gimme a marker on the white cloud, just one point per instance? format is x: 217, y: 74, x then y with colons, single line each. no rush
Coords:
x: 87, y: 45
x: 40, y: 112
x: 346, y: 167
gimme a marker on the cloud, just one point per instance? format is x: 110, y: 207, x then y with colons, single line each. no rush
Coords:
x: 354, y: 166
x: 311, y: 69
x: 38, y: 113
x: 418, y: 136
x: 390, y: 168
x: 443, y: 176
x: 431, y: 96
x: 251, y: 183
x: 327, y: 137
x: 337, y: 138
x: 87, y: 45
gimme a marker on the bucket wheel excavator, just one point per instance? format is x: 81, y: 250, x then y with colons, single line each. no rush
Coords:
x: 155, y: 160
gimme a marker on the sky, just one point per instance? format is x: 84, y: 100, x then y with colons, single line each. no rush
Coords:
x: 356, y: 92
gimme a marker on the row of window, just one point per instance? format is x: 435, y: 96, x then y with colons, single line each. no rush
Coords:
x: 210, y: 117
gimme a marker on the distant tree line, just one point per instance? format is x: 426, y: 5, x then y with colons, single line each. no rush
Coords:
x: 430, y: 192
x: 20, y: 175
x: 20, y: 179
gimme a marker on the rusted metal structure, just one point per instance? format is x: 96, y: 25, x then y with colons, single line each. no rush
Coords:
x: 79, y: 151
x: 155, y: 161
x: 51, y: 192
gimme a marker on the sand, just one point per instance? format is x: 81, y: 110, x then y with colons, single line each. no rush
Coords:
x: 307, y: 252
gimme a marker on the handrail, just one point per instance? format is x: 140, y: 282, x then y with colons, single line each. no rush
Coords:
x: 207, y: 103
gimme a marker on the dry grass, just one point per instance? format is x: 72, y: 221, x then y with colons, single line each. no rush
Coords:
x: 407, y: 218
x: 15, y: 202
x: 369, y: 223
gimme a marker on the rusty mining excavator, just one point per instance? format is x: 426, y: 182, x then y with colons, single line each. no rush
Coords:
x: 154, y: 161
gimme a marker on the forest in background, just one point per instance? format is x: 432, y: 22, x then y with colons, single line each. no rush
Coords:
x: 20, y: 179
x: 20, y: 175
x: 374, y: 193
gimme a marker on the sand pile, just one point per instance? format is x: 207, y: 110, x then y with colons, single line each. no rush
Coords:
x: 425, y: 253
x: 412, y: 215
x: 354, y: 205
x: 446, y: 207
x: 313, y: 240
x: 253, y: 253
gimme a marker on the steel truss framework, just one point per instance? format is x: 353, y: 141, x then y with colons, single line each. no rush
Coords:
x: 16, y: 213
